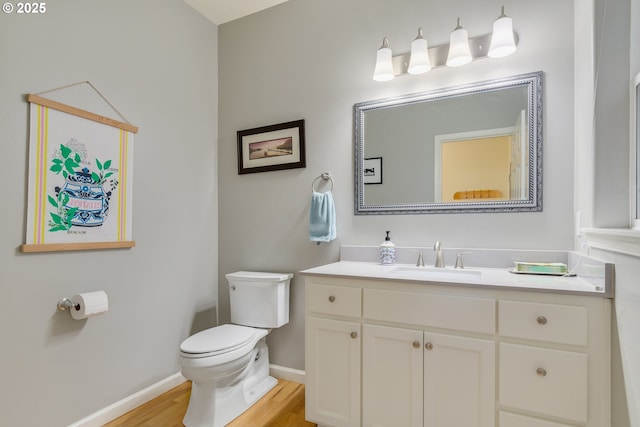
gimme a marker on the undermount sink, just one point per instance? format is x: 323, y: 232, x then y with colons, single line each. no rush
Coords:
x: 426, y: 273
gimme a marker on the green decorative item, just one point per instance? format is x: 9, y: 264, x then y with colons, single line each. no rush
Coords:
x: 82, y: 201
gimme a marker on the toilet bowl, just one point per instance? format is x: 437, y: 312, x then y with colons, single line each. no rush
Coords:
x: 229, y: 364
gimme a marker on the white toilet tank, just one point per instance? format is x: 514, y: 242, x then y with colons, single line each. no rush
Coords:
x: 259, y: 299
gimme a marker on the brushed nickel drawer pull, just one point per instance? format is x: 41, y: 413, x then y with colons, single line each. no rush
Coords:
x: 541, y: 320
x: 428, y: 346
x: 354, y: 335
x: 416, y: 344
x: 332, y: 298
x: 541, y: 372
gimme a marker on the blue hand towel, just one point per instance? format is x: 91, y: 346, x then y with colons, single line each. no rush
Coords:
x: 322, y: 217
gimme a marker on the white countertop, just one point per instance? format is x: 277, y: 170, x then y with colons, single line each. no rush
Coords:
x: 489, y: 277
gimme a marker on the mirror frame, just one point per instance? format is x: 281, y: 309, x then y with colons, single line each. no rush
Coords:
x: 533, y: 84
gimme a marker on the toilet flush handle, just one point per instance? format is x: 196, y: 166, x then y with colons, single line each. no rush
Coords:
x: 232, y: 287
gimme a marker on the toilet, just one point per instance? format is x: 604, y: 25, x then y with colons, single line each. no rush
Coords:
x: 229, y: 364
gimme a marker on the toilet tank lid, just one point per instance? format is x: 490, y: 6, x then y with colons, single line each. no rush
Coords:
x: 259, y: 276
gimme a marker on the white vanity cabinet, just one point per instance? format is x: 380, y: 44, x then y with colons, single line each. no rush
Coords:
x: 430, y: 379
x: 414, y: 376
x: 554, y: 362
x: 401, y: 353
x: 333, y: 355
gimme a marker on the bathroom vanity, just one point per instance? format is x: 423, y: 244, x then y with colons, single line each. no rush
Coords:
x: 479, y: 347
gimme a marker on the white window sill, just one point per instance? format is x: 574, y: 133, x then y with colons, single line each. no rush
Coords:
x: 620, y: 240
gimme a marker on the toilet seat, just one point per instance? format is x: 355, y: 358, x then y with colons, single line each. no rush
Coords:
x: 218, y: 340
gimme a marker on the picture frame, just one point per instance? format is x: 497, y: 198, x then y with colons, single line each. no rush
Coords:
x: 372, y: 170
x: 271, y: 148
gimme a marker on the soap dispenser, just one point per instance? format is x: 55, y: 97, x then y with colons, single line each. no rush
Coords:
x: 387, y: 251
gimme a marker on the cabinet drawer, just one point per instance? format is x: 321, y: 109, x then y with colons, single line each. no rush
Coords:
x: 551, y: 382
x: 544, y: 322
x: 508, y: 419
x: 438, y: 311
x: 337, y: 300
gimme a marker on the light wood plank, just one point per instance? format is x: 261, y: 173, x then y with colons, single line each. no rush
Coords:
x: 169, y: 407
x: 283, y: 406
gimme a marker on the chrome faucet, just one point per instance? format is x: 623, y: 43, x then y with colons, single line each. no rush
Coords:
x: 459, y: 264
x: 439, y: 256
x: 420, y: 262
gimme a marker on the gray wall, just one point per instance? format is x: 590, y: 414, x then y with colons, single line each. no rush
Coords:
x: 157, y: 63
x: 313, y: 60
x: 617, y: 62
x: 612, y: 66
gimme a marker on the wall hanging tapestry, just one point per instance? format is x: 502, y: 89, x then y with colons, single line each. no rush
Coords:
x: 80, y: 179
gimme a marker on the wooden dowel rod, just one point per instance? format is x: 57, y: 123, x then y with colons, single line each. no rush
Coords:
x: 55, y: 247
x: 81, y: 113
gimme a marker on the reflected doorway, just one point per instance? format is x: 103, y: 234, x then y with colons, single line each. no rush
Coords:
x: 489, y: 164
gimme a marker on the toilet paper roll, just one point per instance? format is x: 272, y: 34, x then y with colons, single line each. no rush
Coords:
x: 89, y: 304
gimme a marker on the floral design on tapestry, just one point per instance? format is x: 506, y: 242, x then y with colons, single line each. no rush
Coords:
x: 83, y: 199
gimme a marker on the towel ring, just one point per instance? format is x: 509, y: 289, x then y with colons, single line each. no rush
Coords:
x: 325, y: 176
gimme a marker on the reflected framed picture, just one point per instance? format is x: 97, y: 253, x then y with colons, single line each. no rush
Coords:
x: 372, y: 170
x: 271, y: 148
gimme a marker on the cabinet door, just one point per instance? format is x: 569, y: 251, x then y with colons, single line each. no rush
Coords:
x: 459, y: 381
x: 513, y: 420
x: 391, y: 377
x: 332, y: 357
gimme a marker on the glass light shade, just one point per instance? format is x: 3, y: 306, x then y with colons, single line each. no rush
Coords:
x: 384, y: 66
x: 459, y: 52
x: 419, y: 62
x: 502, y: 40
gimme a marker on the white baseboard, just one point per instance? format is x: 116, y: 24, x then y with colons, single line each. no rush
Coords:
x: 288, y: 374
x: 125, y: 405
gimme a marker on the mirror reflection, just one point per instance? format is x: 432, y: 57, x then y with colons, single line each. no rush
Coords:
x: 465, y: 149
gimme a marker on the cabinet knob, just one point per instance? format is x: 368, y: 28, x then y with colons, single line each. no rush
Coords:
x: 428, y: 346
x: 416, y: 344
x: 541, y: 372
x: 332, y: 298
x: 354, y: 335
x: 541, y: 320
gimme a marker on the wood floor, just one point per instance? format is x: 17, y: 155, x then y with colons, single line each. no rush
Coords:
x: 283, y: 406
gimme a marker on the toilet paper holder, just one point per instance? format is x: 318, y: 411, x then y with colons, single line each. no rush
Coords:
x: 66, y: 303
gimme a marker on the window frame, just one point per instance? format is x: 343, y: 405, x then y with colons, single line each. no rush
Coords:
x: 635, y: 154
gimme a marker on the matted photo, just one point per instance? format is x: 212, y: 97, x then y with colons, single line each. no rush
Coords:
x: 372, y: 170
x: 270, y: 148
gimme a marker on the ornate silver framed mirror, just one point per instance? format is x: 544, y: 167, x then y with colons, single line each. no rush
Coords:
x: 473, y: 148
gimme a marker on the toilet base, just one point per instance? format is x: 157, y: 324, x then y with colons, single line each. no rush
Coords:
x: 254, y: 394
x: 211, y: 406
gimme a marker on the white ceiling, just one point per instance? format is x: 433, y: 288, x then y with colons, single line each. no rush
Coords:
x: 221, y: 11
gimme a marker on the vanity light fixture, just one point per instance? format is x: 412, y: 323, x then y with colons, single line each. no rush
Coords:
x: 502, y: 40
x: 460, y: 51
x: 384, y: 67
x: 419, y: 63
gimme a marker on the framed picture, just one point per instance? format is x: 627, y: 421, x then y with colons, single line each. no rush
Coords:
x: 373, y: 170
x: 271, y: 148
